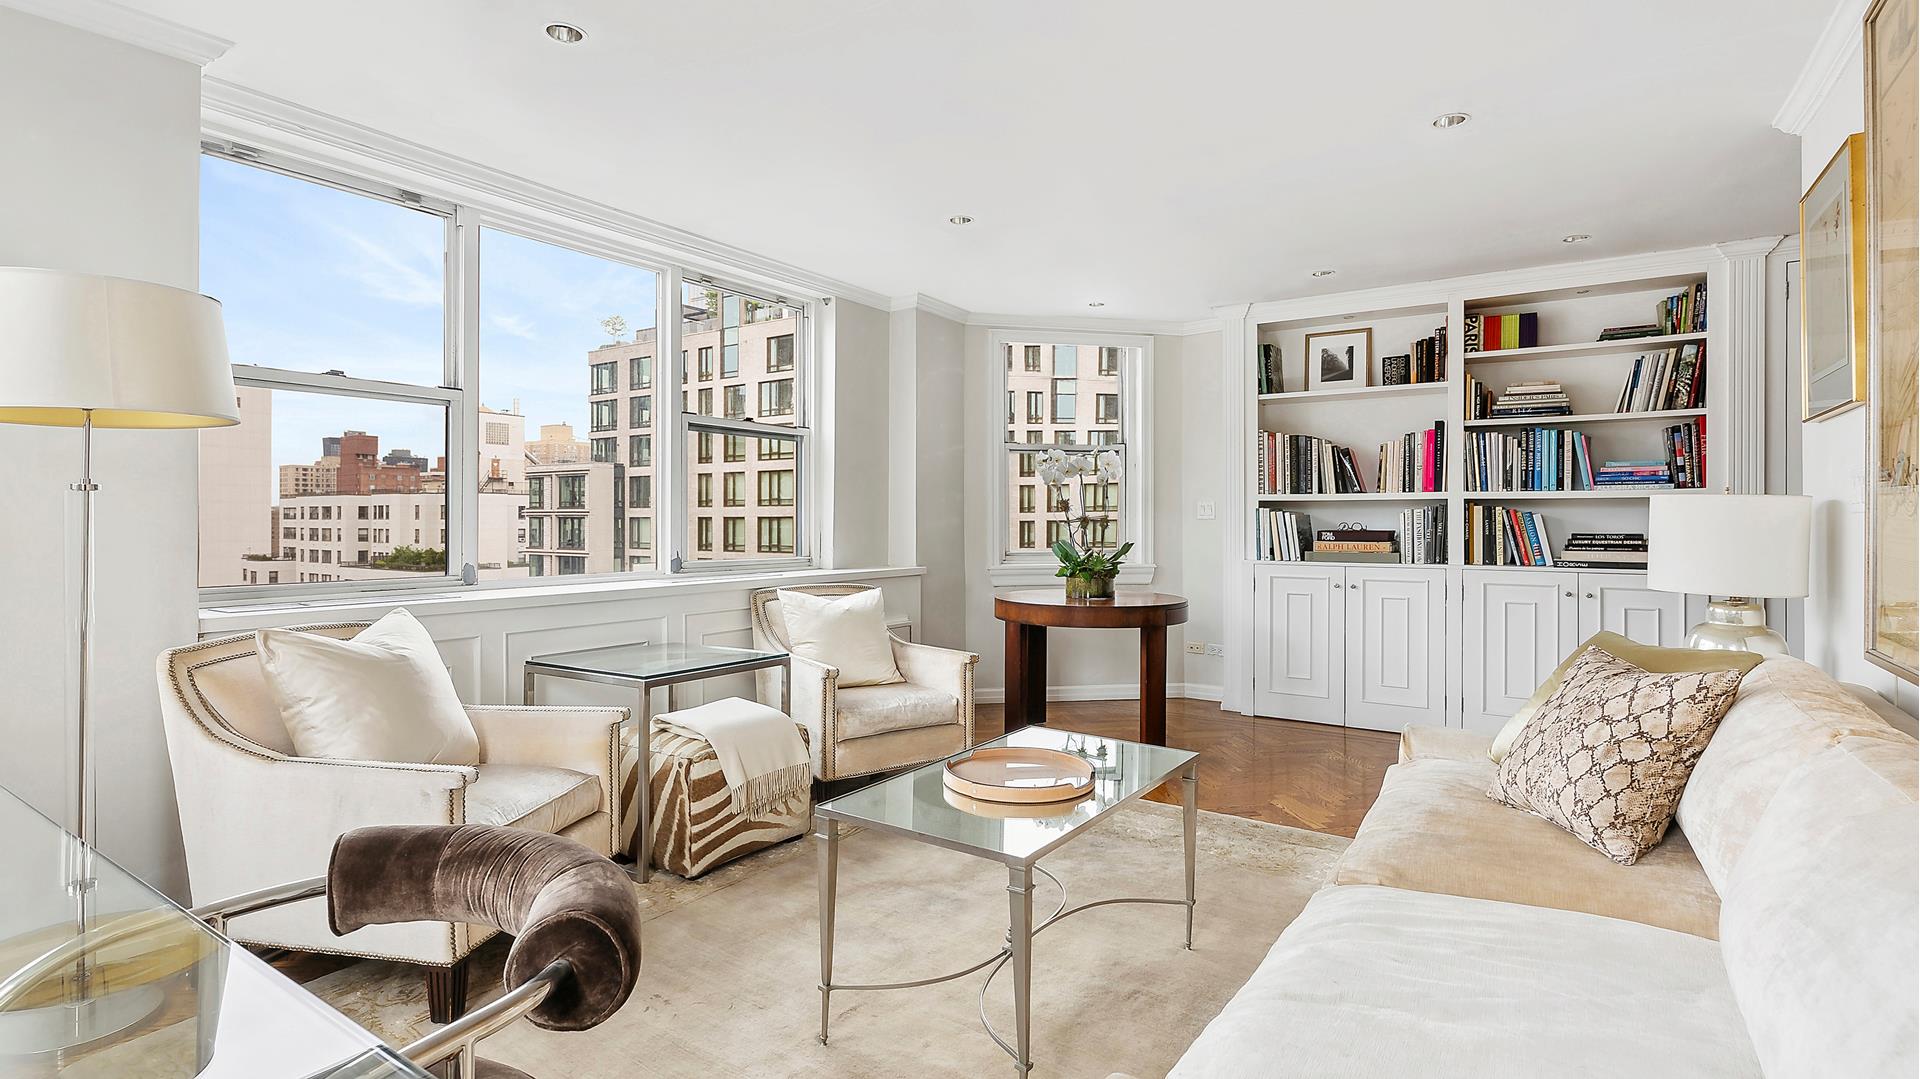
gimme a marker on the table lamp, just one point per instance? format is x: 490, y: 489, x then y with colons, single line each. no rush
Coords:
x: 87, y: 351
x: 1738, y: 548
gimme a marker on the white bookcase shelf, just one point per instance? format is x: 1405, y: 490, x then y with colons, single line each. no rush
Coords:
x: 1577, y: 496
x: 1667, y: 415
x: 1372, y: 393
x: 1362, y: 496
x: 1582, y: 348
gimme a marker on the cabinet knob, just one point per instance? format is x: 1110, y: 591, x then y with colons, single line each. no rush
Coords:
x: 1353, y: 586
x: 1569, y: 595
x: 1589, y: 595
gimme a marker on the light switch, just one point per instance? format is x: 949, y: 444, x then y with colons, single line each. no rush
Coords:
x: 1205, y: 510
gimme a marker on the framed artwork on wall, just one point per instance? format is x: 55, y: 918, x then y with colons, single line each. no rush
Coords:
x: 1338, y: 359
x: 1833, y: 285
x: 1890, y: 35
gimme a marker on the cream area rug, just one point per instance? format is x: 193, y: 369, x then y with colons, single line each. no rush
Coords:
x: 730, y: 962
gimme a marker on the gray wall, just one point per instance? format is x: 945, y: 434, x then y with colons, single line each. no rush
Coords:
x: 102, y: 175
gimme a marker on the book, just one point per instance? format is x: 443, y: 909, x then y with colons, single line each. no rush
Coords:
x: 1493, y: 333
x: 1384, y: 557
x: 1625, y: 333
x: 1353, y: 547
x: 1355, y: 535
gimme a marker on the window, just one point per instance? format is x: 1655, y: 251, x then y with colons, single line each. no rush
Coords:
x: 570, y: 533
x: 750, y: 336
x: 776, y: 535
x: 640, y: 532
x: 776, y: 487
x: 1055, y: 373
x: 780, y: 353
x: 338, y: 298
x: 776, y: 398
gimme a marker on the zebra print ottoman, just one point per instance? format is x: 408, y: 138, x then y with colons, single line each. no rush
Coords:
x: 694, y: 826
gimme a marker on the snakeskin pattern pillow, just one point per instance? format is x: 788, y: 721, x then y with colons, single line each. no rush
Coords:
x: 1608, y: 754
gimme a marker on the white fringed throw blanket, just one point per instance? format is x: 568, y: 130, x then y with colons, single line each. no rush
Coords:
x: 761, y: 755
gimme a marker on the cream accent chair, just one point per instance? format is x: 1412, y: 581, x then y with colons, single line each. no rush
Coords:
x: 253, y: 814
x: 860, y: 730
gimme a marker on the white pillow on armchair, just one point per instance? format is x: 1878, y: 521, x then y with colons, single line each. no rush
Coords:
x: 848, y: 632
x: 385, y: 695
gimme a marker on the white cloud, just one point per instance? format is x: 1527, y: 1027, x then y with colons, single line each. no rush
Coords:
x: 389, y: 274
x: 515, y: 325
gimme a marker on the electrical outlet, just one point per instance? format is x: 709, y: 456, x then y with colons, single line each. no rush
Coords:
x: 1204, y: 510
x: 1216, y: 650
x: 1196, y: 648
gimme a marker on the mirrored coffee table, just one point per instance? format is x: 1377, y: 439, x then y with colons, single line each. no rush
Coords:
x: 644, y: 668
x: 917, y: 805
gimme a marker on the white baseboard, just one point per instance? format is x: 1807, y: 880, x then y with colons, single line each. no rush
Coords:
x: 1112, y: 691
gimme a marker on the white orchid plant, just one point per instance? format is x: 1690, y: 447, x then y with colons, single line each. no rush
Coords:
x: 1075, y: 552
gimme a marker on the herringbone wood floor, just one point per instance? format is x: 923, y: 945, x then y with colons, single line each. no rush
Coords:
x: 1303, y: 774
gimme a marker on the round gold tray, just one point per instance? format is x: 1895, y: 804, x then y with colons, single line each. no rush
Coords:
x: 1019, y: 775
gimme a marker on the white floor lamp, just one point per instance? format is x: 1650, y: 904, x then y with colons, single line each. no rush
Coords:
x: 80, y: 350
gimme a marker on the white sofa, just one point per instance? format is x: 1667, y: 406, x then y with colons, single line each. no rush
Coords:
x: 1774, y: 932
x: 253, y: 814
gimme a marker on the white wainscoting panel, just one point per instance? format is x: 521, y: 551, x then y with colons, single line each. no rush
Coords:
x: 1299, y: 639
x: 1521, y: 623
x: 1395, y: 646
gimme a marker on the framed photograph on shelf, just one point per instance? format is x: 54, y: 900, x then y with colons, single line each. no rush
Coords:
x: 1890, y: 37
x: 1338, y: 359
x: 1833, y: 285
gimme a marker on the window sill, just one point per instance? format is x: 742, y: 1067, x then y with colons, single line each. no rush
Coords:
x: 238, y: 617
x: 1133, y: 574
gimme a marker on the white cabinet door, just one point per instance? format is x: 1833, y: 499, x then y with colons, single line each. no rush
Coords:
x: 1299, y: 641
x: 1519, y: 625
x: 1622, y: 603
x: 1396, y: 646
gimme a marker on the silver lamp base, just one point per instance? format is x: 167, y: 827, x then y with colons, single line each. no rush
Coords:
x: 1739, y: 624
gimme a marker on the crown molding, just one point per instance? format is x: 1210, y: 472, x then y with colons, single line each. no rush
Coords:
x: 1839, y: 42
x: 235, y: 112
x: 125, y: 24
x: 999, y: 321
x: 1758, y: 247
x: 931, y: 305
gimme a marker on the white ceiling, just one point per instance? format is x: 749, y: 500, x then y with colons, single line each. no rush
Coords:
x: 1161, y: 157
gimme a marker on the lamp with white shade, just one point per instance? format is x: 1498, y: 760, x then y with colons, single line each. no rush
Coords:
x: 1735, y: 550
x: 86, y: 351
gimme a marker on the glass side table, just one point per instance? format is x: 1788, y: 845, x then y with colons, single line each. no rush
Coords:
x: 645, y: 668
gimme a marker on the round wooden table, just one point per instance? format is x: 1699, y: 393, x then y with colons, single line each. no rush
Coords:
x: 1029, y: 612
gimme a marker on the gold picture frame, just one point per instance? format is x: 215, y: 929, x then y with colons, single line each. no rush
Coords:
x: 1833, y: 285
x: 1348, y: 349
x: 1891, y: 40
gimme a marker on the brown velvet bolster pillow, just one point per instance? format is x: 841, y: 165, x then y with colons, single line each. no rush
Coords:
x: 559, y: 900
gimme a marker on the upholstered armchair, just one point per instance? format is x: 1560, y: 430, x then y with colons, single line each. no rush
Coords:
x: 860, y: 730
x: 253, y: 814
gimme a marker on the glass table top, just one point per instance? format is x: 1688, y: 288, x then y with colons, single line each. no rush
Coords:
x: 918, y: 804
x: 645, y: 662
x: 148, y: 990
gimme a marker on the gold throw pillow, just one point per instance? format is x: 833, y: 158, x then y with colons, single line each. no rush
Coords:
x: 1608, y: 754
x: 1647, y: 657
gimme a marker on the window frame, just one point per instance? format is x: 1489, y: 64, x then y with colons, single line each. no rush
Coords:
x: 459, y: 394
x: 1136, y: 432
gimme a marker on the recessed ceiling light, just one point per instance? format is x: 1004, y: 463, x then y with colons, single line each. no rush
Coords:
x: 960, y: 219
x: 1096, y: 303
x: 565, y: 33
x: 1323, y: 273
x: 1450, y: 119
x: 1575, y: 238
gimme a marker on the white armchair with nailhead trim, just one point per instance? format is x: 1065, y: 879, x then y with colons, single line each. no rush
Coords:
x: 861, y: 730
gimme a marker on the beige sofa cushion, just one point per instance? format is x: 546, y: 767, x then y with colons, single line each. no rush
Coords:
x: 1384, y: 982
x: 1786, y: 712
x: 1423, y: 742
x: 1821, y: 922
x: 1433, y: 829
x: 902, y: 706
x: 531, y: 796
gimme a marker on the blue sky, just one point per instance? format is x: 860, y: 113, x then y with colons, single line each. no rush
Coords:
x: 316, y: 279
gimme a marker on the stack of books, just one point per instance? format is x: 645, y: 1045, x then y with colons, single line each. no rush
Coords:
x: 1670, y: 378
x: 1503, y: 536
x: 1425, y: 528
x: 1648, y: 475
x: 1414, y: 462
x: 1491, y: 333
x: 1540, y: 397
x: 1355, y: 545
x: 1267, y: 378
x: 1627, y: 333
x: 1686, y: 445
x: 1304, y: 465
x: 1426, y: 363
x: 1683, y: 312
x: 1281, y: 535
x: 1605, y: 550
x: 1530, y: 459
